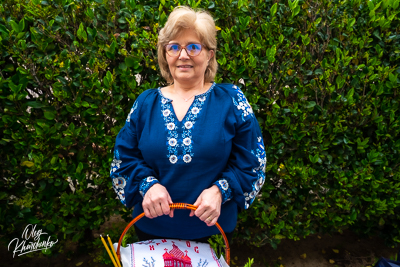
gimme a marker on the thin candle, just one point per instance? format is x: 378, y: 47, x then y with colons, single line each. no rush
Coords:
x: 113, y: 251
x: 108, y: 251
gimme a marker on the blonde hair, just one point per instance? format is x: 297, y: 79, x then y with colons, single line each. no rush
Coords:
x: 183, y: 17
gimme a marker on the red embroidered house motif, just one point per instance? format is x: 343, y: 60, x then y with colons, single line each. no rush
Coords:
x: 176, y: 258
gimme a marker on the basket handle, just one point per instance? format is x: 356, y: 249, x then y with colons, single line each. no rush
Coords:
x: 175, y: 206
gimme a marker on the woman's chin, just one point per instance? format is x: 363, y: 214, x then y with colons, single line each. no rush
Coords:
x: 184, y: 76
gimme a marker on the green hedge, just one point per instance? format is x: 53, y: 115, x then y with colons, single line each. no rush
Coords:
x: 322, y: 77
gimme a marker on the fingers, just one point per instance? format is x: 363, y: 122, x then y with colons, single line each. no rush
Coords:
x: 156, y: 202
x: 208, y: 206
x: 197, y: 203
x: 211, y: 221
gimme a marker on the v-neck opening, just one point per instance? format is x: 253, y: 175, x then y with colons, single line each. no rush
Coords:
x: 191, y: 105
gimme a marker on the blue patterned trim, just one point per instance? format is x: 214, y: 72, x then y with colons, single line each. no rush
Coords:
x: 119, y: 183
x: 188, y: 125
x: 134, y: 107
x: 146, y: 183
x: 259, y: 152
x: 173, y: 140
x: 226, y: 192
x: 242, y: 104
x: 116, y: 163
x: 171, y: 128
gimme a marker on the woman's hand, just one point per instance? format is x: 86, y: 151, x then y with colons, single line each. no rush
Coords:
x: 208, y: 205
x: 156, y: 202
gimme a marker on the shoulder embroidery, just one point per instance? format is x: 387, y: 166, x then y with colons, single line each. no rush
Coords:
x: 242, y: 104
x: 259, y: 152
x: 134, y: 107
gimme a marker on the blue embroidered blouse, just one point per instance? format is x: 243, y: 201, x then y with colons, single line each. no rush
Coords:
x: 218, y: 142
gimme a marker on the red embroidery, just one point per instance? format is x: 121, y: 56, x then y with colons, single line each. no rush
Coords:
x: 164, y: 240
x: 188, y: 244
x: 176, y: 258
x: 151, y: 247
x: 196, y: 249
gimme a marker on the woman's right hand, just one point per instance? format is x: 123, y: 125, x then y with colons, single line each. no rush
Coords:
x: 156, y: 202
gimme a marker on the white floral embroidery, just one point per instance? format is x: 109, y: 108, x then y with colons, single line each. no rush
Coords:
x: 187, y: 158
x: 119, y: 182
x: 172, y: 142
x: 121, y: 195
x: 187, y: 141
x: 171, y: 126
x: 224, y: 184
x: 195, y: 110
x: 115, y: 165
x: 134, y: 107
x: 173, y: 138
x: 242, y: 104
x: 173, y: 159
x: 188, y: 125
x: 166, y: 112
x: 150, y: 179
x: 172, y: 134
x: 260, y: 170
x: 259, y: 184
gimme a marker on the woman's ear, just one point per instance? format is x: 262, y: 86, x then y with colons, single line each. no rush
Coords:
x: 211, y: 54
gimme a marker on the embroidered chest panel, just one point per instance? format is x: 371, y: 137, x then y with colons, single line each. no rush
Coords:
x: 179, y: 142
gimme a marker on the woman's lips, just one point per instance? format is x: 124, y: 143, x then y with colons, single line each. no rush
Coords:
x: 185, y: 67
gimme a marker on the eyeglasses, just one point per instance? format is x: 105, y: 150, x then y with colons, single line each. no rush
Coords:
x: 192, y: 50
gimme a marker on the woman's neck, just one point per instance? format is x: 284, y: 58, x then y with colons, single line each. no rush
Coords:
x: 189, y: 89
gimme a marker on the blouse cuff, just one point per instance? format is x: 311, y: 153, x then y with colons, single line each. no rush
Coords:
x: 146, y: 183
x: 226, y: 192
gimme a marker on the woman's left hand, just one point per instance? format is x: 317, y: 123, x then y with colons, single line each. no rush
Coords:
x: 208, y: 205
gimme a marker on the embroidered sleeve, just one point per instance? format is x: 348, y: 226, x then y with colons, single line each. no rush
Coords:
x: 245, y: 171
x: 146, y: 183
x: 128, y: 168
x: 226, y: 192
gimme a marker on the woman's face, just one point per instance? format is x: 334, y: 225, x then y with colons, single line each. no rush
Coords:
x: 184, y: 68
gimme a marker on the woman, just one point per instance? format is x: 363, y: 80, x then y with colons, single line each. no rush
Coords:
x: 193, y: 141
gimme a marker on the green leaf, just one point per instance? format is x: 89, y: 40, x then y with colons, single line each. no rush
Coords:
x: 132, y: 62
x: 81, y: 32
x: 33, y: 220
x: 14, y: 26
x: 295, y: 11
x: 281, y: 38
x: 35, y: 104
x: 49, y: 115
x: 27, y: 163
x: 274, y: 8
x: 310, y: 104
x: 21, y: 25
x: 3, y: 195
x: 79, y: 168
x: 51, y: 227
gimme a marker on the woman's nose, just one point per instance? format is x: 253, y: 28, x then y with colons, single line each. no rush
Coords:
x: 183, y: 54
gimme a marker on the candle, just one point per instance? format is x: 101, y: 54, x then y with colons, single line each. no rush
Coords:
x: 108, y: 251
x: 115, y: 254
